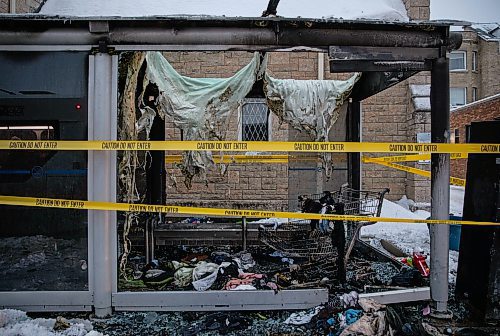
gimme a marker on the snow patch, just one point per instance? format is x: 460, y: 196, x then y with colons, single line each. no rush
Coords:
x: 387, y: 10
x: 16, y: 323
x: 410, y: 236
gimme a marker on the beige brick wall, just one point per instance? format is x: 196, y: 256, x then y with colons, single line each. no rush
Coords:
x: 489, y: 65
x: 418, y: 9
x: 22, y: 6
x: 468, y: 78
x: 384, y: 120
x: 4, y: 6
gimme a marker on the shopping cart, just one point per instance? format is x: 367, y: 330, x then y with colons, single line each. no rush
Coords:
x: 298, y: 239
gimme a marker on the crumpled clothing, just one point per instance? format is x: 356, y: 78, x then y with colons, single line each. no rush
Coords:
x: 349, y: 300
x: 349, y: 317
x: 303, y: 317
x: 243, y: 287
x: 368, y: 325
x: 202, y: 281
x: 183, y: 276
x: 244, y: 279
x: 370, y: 305
x: 245, y: 260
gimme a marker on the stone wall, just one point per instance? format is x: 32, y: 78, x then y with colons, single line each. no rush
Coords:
x: 22, y: 6
x: 4, y: 6
x: 486, y: 109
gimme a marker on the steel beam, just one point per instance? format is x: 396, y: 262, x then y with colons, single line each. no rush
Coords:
x: 440, y: 188
x: 252, y: 33
x: 102, y: 177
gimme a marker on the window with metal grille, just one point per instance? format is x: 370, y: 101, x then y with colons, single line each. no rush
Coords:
x: 254, y: 120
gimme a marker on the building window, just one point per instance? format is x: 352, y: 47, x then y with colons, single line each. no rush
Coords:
x: 457, y: 136
x: 474, y: 61
x: 474, y: 94
x: 254, y: 120
x: 458, y: 96
x: 458, y: 61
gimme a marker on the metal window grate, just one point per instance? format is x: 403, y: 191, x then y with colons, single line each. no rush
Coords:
x: 254, y: 121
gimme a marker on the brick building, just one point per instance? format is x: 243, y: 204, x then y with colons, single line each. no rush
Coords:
x: 475, y: 67
x: 461, y: 117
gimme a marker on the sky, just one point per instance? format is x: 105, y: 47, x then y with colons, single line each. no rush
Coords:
x: 479, y: 11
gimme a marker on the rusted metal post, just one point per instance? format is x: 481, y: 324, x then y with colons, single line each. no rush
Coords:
x: 440, y: 178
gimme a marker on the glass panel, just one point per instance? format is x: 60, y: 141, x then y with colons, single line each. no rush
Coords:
x: 255, y: 115
x: 457, y: 96
x: 457, y: 60
x: 42, y: 248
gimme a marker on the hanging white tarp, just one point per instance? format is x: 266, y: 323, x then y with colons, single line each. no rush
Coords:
x: 199, y: 106
x: 310, y: 106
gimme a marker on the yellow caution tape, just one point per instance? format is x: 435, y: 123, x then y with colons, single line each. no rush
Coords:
x: 171, y: 209
x: 254, y: 146
x: 453, y: 180
x: 237, y: 158
x: 417, y: 157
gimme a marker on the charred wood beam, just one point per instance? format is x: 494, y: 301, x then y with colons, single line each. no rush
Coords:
x: 372, y: 83
x: 378, y: 66
x: 382, y: 54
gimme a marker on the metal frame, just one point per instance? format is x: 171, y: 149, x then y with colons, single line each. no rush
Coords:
x: 105, y: 36
x: 219, y: 300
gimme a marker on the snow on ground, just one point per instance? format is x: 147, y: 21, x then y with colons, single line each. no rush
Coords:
x: 388, y: 10
x: 17, y: 323
x: 410, y: 236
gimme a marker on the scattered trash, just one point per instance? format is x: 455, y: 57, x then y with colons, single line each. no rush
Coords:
x: 303, y: 317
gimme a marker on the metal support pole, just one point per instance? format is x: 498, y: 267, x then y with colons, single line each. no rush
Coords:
x: 12, y: 6
x: 440, y: 179
x: 354, y: 134
x: 102, y: 178
x: 244, y: 233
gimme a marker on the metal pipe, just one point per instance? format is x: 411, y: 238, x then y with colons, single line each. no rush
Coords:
x: 244, y: 233
x: 440, y: 177
x: 103, y: 175
x: 12, y: 6
x: 248, y: 37
x: 354, y: 134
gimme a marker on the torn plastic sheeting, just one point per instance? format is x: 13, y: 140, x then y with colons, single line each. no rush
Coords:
x: 310, y: 106
x: 199, y: 106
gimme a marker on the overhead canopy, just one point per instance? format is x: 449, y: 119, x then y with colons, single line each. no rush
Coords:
x: 388, y: 10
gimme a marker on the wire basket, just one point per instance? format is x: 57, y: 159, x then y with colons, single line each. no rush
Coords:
x: 356, y: 202
x: 295, y: 239
x: 298, y: 239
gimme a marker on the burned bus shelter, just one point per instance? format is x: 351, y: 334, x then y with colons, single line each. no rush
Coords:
x: 76, y: 60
